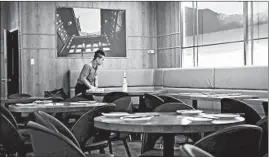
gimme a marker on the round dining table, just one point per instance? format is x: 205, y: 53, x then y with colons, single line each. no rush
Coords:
x: 167, y: 124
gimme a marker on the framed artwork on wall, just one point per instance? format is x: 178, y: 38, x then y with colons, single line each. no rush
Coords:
x: 82, y: 31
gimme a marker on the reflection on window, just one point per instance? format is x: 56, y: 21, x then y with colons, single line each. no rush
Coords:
x: 223, y: 55
x: 217, y: 34
x: 260, y: 19
x: 260, y: 54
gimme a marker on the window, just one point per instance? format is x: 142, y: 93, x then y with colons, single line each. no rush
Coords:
x: 214, y: 36
x: 258, y: 33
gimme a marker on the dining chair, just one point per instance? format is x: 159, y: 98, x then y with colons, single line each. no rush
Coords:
x: 112, y: 96
x: 8, y: 115
x: 169, y: 98
x: 149, y: 103
x: 263, y: 123
x: 19, y: 95
x: 123, y: 104
x: 188, y: 150
x: 239, y: 140
x: 149, y: 140
x: 11, y: 140
x: 54, y: 124
x: 265, y: 107
x: 47, y: 142
x: 69, y: 118
x: 20, y: 127
x: 83, y: 133
x: 229, y: 105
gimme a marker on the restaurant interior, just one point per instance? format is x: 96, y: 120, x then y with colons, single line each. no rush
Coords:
x: 134, y: 79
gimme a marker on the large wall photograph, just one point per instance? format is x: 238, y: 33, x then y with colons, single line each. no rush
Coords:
x: 82, y: 31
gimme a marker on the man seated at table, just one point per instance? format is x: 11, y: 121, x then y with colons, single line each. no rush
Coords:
x: 88, y: 75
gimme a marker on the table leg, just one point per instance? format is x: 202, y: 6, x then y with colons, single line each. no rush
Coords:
x: 194, y: 104
x: 168, y: 145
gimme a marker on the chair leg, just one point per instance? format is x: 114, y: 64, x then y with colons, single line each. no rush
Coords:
x: 102, y: 151
x: 110, y: 147
x: 127, y: 148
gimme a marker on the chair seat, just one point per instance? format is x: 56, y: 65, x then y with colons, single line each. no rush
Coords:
x: 157, y: 153
x: 96, y: 145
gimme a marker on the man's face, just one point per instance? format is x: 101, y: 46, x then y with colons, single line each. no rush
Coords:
x: 100, y: 60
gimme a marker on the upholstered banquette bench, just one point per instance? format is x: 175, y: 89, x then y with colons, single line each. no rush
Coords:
x: 246, y: 80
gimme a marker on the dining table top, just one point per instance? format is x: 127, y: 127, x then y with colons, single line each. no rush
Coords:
x: 130, y: 91
x: 211, y: 96
x: 24, y: 99
x: 164, y: 123
x: 55, y: 107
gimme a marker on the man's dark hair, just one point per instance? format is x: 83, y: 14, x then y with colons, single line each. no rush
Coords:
x: 99, y: 53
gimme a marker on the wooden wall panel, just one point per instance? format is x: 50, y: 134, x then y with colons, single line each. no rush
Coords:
x: 38, y: 42
x: 168, y: 34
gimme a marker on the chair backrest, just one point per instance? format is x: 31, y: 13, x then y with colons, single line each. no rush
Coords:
x: 150, y: 102
x: 46, y: 142
x: 188, y: 150
x: 263, y: 123
x: 84, y: 128
x: 55, y: 125
x: 169, y: 98
x: 229, y: 105
x: 112, y: 96
x: 8, y: 115
x: 9, y: 136
x: 123, y: 104
x: 172, y: 107
x: 240, y: 140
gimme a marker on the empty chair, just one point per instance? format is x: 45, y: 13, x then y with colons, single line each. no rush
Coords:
x: 52, y: 123
x: 19, y: 95
x: 172, y: 107
x: 8, y: 115
x: 263, y: 123
x: 188, y: 150
x: 112, y: 96
x: 50, y: 143
x: 169, y: 98
x: 19, y: 127
x: 265, y: 107
x: 11, y: 140
x: 150, y: 102
x: 149, y: 140
x: 123, y: 104
x: 82, y: 130
x: 229, y: 105
x: 240, y: 140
